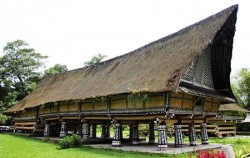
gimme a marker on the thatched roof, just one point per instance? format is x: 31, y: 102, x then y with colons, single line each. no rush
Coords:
x: 232, y: 107
x: 155, y: 67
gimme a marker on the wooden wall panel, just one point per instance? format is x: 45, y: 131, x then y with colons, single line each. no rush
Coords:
x: 155, y: 101
x: 118, y: 104
x: 215, y: 106
x: 207, y: 106
x: 23, y: 114
x: 73, y: 107
x: 40, y: 112
x: 137, y: 104
x: 63, y: 108
x: 118, y: 97
x: 46, y: 110
x: 54, y: 109
x: 100, y: 106
x: 175, y: 102
x: 188, y: 96
x: 176, y: 95
x: 31, y: 112
x: 87, y: 106
x: 187, y: 104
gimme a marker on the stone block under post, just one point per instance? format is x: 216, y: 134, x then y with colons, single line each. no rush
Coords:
x: 204, y: 135
x: 192, y: 135
x: 85, y: 130
x: 117, y: 135
x: 151, y: 133
x: 135, y: 134
x: 162, y: 137
x: 46, y: 130
x: 178, y: 141
x: 63, y: 131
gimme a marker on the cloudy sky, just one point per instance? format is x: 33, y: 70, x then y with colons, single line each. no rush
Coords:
x: 72, y: 31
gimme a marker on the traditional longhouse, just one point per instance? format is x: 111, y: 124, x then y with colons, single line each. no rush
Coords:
x: 229, y: 115
x: 180, y: 79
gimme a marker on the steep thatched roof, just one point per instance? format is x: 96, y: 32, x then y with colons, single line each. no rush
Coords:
x: 232, y: 107
x: 155, y: 67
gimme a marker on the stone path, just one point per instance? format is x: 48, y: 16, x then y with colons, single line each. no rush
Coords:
x: 152, y: 148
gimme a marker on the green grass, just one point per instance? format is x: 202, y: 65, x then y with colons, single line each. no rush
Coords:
x: 22, y: 147
x: 237, y: 143
x: 12, y: 146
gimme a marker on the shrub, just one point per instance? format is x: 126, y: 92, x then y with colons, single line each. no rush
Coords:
x: 72, y: 141
x: 77, y: 140
x: 242, y: 153
x: 46, y: 139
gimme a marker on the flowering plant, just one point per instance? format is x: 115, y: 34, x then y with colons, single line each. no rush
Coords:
x: 211, y: 154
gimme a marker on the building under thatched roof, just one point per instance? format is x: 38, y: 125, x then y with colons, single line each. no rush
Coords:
x: 180, y: 80
x: 168, y: 64
x: 232, y: 107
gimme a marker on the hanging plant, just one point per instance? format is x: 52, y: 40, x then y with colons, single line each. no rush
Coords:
x: 134, y: 97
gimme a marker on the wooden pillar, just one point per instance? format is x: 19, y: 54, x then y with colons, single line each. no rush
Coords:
x: 135, y: 135
x: 192, y: 135
x: 204, y: 135
x: 85, y: 130
x: 92, y: 132
x: 63, y: 130
x: 178, y: 136
x: 79, y: 129
x: 117, y: 135
x: 105, y: 131
x: 121, y: 133
x: 130, y: 131
x: 162, y: 137
x: 46, y: 130
x: 151, y: 133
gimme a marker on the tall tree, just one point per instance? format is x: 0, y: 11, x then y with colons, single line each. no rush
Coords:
x: 58, y: 68
x: 241, y: 87
x: 95, y: 60
x: 19, y: 71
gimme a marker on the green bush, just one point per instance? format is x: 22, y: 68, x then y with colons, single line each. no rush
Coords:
x: 77, y: 140
x: 71, y: 141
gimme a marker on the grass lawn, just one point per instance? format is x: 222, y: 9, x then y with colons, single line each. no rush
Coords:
x: 23, y: 147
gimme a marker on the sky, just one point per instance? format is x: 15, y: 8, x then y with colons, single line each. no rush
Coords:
x: 70, y: 32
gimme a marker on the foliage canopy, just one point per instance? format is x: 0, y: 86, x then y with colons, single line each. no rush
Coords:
x: 241, y: 87
x: 19, y: 72
x: 58, y: 68
x: 95, y: 60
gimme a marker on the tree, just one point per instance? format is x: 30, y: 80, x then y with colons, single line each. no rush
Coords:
x: 19, y: 73
x: 241, y: 87
x: 95, y: 60
x: 58, y: 68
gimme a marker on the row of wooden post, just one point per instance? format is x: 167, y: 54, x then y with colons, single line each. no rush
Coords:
x: 90, y: 132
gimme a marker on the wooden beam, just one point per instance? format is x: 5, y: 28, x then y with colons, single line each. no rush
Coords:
x: 49, y: 119
x: 71, y: 118
x: 25, y: 123
x: 28, y: 128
